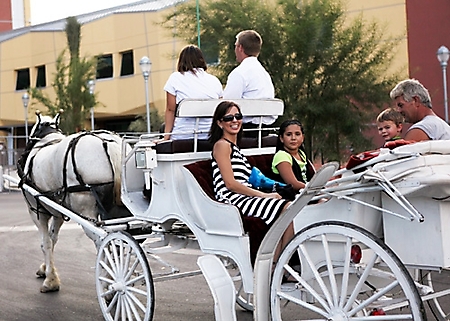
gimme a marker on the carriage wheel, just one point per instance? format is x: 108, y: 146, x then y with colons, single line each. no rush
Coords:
x: 438, y: 281
x: 345, y: 273
x: 123, y: 279
x: 243, y: 299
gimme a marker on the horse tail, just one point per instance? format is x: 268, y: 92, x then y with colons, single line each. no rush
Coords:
x: 114, y: 151
x: 117, y: 168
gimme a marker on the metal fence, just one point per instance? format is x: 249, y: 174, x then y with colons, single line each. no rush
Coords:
x: 9, y: 154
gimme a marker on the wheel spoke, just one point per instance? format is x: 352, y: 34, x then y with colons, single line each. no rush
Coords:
x: 346, y: 272
x: 310, y: 289
x: 317, y: 277
x: 137, y: 301
x: 108, y: 270
x: 106, y: 280
x: 137, y: 291
x: 332, y: 278
x: 123, y: 307
x: 131, y: 270
x: 116, y: 258
x: 113, y: 302
x: 121, y: 262
x: 109, y: 257
x: 303, y: 304
x: 118, y: 306
x: 133, y: 308
x: 361, y: 282
x: 373, y: 298
x: 126, y: 303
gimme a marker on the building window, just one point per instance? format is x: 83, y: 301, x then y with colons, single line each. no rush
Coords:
x: 127, y: 67
x: 23, y: 79
x: 40, y: 79
x: 104, y: 66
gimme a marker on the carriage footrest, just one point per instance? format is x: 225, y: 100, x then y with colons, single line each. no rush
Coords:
x: 221, y: 285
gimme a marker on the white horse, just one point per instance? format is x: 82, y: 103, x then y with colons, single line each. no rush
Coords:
x: 80, y: 171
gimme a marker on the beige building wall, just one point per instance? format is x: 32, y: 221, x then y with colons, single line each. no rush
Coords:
x: 390, y: 14
x: 112, y: 34
x: 140, y: 32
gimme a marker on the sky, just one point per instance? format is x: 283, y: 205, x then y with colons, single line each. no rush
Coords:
x: 50, y: 10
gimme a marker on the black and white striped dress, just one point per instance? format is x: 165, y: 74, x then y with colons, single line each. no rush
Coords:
x: 267, y: 209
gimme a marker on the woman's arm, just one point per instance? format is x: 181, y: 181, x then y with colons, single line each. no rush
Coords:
x: 221, y: 153
x: 169, y: 117
x: 286, y: 173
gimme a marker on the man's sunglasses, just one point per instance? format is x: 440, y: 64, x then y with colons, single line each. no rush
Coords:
x: 228, y: 118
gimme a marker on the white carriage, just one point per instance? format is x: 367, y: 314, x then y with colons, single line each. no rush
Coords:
x: 361, y: 249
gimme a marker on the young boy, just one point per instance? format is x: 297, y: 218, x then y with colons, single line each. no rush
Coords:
x: 390, y: 124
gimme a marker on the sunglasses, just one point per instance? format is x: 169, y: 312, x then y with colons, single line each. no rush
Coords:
x: 228, y: 118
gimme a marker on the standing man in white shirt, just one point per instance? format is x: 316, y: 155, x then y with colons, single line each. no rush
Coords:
x: 249, y: 80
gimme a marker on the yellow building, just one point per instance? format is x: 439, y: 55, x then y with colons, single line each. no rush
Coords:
x: 122, y: 35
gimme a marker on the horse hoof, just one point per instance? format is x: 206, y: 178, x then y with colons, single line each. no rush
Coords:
x: 45, y: 289
x: 40, y: 274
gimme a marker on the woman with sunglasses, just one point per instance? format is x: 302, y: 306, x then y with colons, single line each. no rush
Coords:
x: 231, y: 171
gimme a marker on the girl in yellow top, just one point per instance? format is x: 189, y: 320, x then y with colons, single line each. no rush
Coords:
x: 290, y: 164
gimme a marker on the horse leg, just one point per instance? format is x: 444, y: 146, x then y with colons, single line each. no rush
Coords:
x: 47, y: 269
x: 41, y: 225
x: 51, y: 282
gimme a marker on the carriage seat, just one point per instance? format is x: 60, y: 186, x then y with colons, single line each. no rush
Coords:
x: 202, y: 171
x: 253, y: 226
x: 187, y: 145
x: 197, y: 108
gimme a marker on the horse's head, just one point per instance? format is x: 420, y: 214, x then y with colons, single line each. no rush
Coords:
x: 44, y: 125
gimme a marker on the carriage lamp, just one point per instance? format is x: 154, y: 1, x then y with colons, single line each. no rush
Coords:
x: 145, y: 158
x: 25, y: 101
x: 443, y: 54
x: 91, y: 86
x: 146, y: 65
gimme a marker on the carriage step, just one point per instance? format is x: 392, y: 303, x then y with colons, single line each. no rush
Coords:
x: 221, y: 285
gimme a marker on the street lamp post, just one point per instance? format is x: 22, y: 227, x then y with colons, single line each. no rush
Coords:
x: 91, y: 85
x: 146, y: 65
x: 443, y: 54
x: 25, y: 100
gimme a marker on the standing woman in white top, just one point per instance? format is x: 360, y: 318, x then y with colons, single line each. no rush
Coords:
x: 189, y: 81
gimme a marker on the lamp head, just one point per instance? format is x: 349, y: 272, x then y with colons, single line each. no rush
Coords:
x: 145, y: 65
x: 91, y: 86
x: 443, y: 54
x: 25, y: 100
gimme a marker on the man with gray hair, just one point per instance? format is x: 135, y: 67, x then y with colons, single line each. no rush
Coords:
x: 414, y: 103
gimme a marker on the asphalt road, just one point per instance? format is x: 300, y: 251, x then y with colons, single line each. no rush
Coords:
x: 175, y: 300
x: 181, y: 299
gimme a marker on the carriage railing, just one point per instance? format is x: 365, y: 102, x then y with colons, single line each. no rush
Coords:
x: 373, y: 175
x: 204, y: 108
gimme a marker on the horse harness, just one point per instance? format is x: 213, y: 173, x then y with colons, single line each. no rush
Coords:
x: 60, y: 195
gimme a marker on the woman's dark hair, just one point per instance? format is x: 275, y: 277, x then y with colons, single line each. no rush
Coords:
x: 283, y: 126
x: 191, y: 57
x: 216, y: 133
